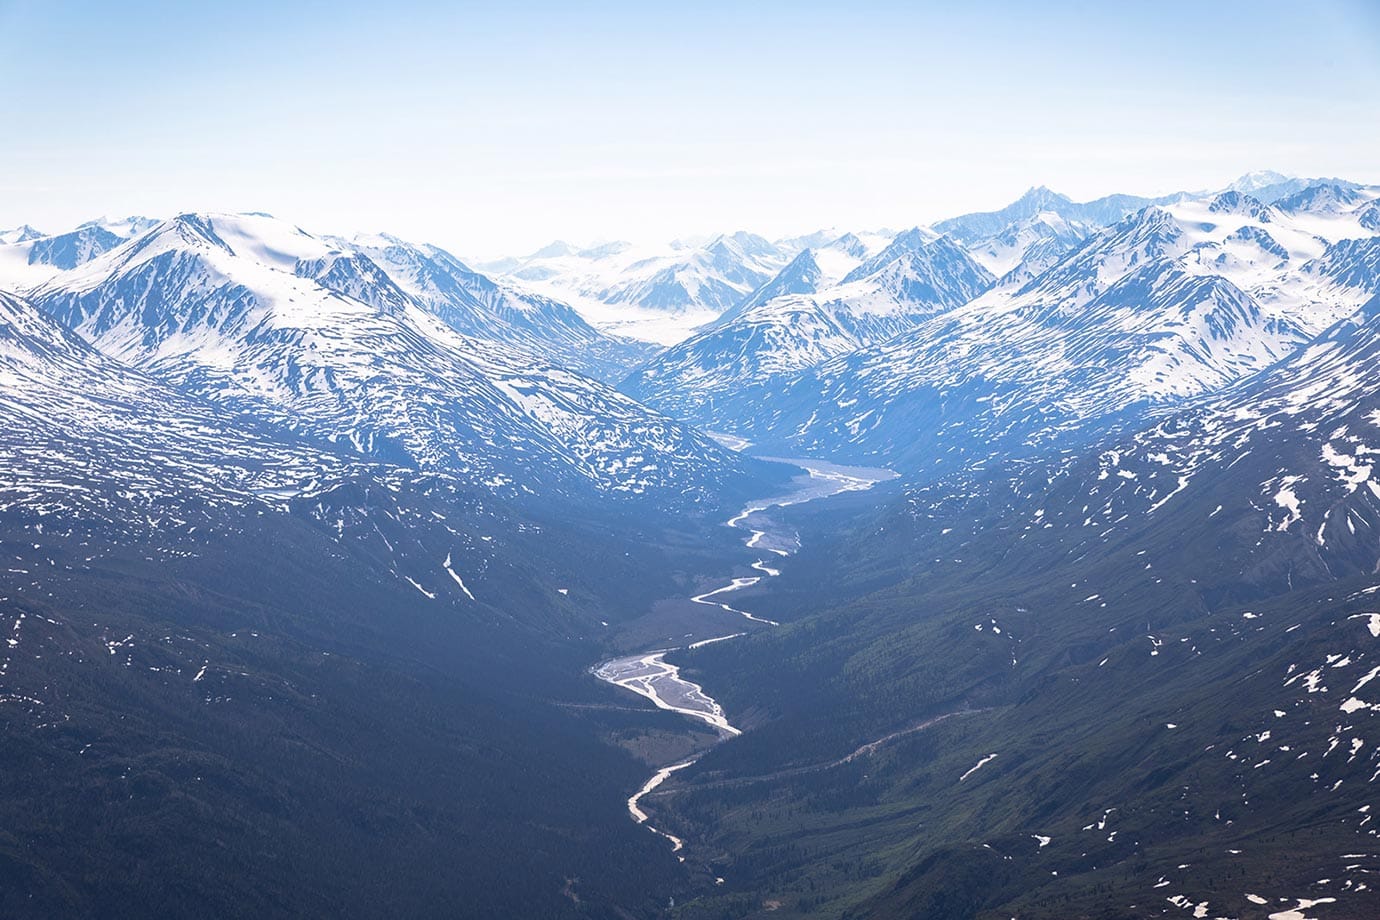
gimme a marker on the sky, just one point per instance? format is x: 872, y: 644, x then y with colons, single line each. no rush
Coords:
x: 494, y: 128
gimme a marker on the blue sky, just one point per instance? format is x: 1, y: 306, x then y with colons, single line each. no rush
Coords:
x: 497, y: 127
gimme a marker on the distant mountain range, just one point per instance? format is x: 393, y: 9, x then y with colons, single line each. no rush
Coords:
x: 1140, y: 674
x: 312, y: 335
x: 828, y: 301
x: 656, y: 293
x: 1094, y: 328
x: 313, y: 540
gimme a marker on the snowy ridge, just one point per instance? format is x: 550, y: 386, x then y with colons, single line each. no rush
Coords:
x: 977, y: 227
x: 1168, y: 304
x: 1296, y: 443
x: 474, y: 305
x: 1043, y: 234
x: 266, y: 319
x: 87, y: 437
x: 825, y: 303
x: 653, y: 293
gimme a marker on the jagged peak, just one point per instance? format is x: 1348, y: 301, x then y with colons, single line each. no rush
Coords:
x: 21, y: 234
x: 804, y: 261
x: 1152, y: 218
x: 556, y: 249
x: 742, y: 240
x: 850, y: 244
x: 1042, y: 195
x: 914, y: 238
x: 604, y: 250
x: 1258, y: 179
x: 189, y: 227
x: 1238, y: 202
x: 1320, y: 195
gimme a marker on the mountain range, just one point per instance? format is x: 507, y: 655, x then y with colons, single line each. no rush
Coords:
x: 268, y: 321
x: 1164, y: 305
x: 315, y: 543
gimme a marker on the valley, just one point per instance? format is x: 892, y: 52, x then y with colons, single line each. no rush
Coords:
x: 651, y: 676
x: 322, y: 544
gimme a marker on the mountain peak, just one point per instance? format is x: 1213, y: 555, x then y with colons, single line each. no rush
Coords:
x: 1257, y: 180
x: 1042, y: 197
x: 188, y: 227
x: 1237, y: 202
x: 744, y: 243
x: 21, y: 234
x: 913, y: 238
x: 1322, y: 197
x: 849, y: 243
x: 553, y: 250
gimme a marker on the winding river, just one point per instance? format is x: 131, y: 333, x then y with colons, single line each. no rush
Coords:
x: 650, y: 675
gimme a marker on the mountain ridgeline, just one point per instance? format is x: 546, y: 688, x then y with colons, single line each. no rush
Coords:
x: 314, y: 544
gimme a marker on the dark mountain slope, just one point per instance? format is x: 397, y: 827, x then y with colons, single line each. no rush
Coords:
x: 246, y: 674
x: 1119, y: 685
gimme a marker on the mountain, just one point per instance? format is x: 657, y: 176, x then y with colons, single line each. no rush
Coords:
x: 1269, y: 186
x: 68, y: 250
x: 127, y: 227
x: 712, y: 278
x: 313, y: 545
x: 29, y: 257
x: 1137, y: 678
x: 20, y: 234
x: 264, y: 319
x: 984, y: 225
x: 1029, y: 234
x: 1039, y: 240
x: 861, y: 241
x: 220, y: 634
x: 1168, y: 304
x: 474, y: 305
x: 1323, y: 198
x: 817, y: 268
x: 468, y: 301
x: 802, y: 275
x: 88, y: 437
x: 1285, y: 449
x: 826, y: 302
x: 653, y: 293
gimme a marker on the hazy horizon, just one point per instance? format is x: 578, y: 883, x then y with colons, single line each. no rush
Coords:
x: 493, y: 132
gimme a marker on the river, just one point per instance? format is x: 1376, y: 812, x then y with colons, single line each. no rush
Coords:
x: 648, y: 673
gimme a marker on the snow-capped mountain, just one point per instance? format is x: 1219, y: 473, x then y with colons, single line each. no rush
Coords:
x: 92, y: 438
x: 1291, y: 450
x: 652, y: 293
x: 860, y: 242
x: 68, y: 250
x: 1269, y: 186
x: 467, y: 301
x: 127, y: 227
x: 21, y: 234
x: 1202, y: 590
x: 29, y: 257
x: 826, y: 302
x: 268, y: 320
x: 1252, y: 182
x: 1170, y: 303
x: 985, y: 225
x: 474, y: 305
x: 1030, y: 244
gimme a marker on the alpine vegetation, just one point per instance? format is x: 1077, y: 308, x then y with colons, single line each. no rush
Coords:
x: 819, y: 527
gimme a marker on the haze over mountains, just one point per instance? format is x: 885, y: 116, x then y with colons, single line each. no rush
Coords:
x: 315, y: 539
